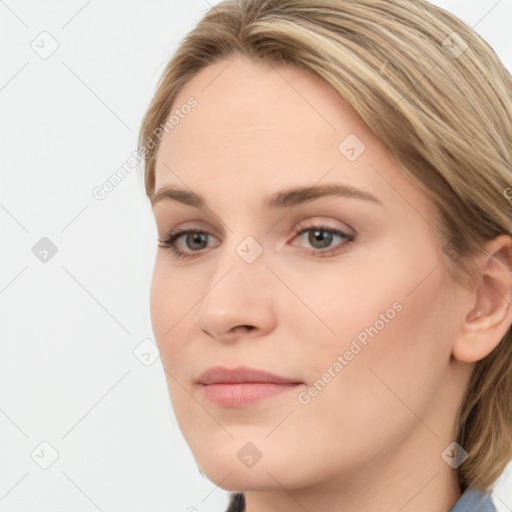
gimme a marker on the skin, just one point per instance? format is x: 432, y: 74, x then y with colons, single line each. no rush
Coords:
x: 372, y: 439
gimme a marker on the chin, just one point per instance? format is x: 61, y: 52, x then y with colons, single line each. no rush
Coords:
x: 232, y: 469
x: 241, y: 480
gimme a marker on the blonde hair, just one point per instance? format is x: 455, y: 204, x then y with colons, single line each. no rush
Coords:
x: 442, y: 109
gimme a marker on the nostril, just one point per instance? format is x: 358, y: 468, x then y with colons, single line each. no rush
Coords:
x: 240, y: 328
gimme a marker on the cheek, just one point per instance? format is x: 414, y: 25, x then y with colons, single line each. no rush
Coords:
x: 169, y: 307
x: 171, y: 296
x: 171, y: 300
x: 381, y: 339
x: 393, y: 378
x: 160, y: 302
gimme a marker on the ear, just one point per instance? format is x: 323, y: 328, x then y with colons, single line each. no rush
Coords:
x: 490, y: 315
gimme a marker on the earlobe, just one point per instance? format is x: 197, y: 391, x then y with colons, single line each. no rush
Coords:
x: 490, y: 318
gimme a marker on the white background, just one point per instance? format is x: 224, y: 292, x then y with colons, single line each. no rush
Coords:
x: 68, y: 327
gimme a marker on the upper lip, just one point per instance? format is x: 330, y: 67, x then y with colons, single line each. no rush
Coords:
x: 240, y: 374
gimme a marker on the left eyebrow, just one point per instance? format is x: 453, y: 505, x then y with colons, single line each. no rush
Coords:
x: 281, y: 199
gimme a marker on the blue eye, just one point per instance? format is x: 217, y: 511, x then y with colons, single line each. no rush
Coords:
x: 320, y: 238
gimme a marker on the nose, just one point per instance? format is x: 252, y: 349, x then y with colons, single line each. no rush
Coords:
x: 238, y: 301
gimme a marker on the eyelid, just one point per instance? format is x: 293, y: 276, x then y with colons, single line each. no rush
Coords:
x: 312, y: 221
x: 315, y: 222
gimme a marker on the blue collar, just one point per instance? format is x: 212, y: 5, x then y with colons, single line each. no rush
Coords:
x: 474, y: 501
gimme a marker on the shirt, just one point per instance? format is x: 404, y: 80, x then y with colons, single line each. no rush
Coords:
x: 471, y: 501
x: 474, y: 501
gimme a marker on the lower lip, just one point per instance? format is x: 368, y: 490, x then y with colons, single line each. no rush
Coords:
x: 239, y: 395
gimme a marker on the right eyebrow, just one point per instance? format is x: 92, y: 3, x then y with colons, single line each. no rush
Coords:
x: 281, y: 199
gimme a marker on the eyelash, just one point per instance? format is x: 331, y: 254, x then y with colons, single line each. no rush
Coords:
x: 170, y: 241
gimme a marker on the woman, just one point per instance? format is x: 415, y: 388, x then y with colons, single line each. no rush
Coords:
x: 331, y: 183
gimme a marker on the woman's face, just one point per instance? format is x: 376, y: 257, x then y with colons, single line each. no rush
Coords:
x: 363, y: 321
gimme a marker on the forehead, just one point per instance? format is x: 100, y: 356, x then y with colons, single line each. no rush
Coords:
x: 262, y: 87
x: 245, y: 105
x: 261, y: 126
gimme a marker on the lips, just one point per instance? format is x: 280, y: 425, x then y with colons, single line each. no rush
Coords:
x: 240, y: 375
x: 242, y: 386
